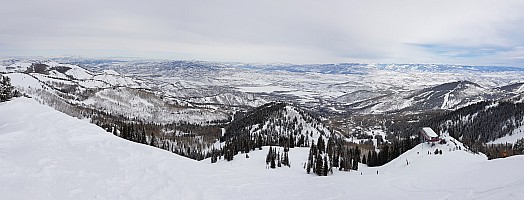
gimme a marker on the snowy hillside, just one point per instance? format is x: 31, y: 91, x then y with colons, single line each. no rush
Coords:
x: 69, y: 87
x: 49, y: 71
x: 61, y: 157
x: 277, y: 124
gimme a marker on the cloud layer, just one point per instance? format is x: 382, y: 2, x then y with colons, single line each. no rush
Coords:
x: 403, y: 31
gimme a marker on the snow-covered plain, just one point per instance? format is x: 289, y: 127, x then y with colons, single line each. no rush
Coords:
x: 45, y: 154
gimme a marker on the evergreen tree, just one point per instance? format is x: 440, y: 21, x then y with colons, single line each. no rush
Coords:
x: 268, y: 156
x: 325, y: 167
x: 370, y: 161
x: 320, y: 145
x: 273, y: 163
x: 6, y: 89
x: 319, y: 170
x: 285, y: 161
x: 309, y: 160
x: 279, y: 163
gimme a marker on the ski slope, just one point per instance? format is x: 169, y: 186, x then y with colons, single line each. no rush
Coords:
x: 45, y: 154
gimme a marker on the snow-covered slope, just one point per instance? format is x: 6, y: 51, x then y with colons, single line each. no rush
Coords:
x: 45, y: 154
x: 53, y: 71
x: 275, y: 121
x: 59, y: 84
x: 447, y: 96
x: 516, y: 134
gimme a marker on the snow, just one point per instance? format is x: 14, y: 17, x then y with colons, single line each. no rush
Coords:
x: 429, y: 132
x: 521, y: 89
x: 45, y: 154
x: 78, y: 73
x: 518, y: 133
x: 111, y: 72
x: 446, y: 100
x: 493, y: 105
x: 263, y: 89
x: 24, y: 80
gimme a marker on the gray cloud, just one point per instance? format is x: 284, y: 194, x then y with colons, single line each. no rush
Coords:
x: 269, y: 31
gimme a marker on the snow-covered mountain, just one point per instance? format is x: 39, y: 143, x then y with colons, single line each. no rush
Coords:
x: 69, y: 87
x: 329, y: 88
x: 62, y: 157
x: 517, y: 88
x: 275, y: 122
x: 447, y: 96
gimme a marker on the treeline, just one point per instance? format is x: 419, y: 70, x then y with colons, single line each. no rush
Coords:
x: 390, y: 151
x: 475, y: 124
x: 337, y: 153
x: 483, y: 121
x: 323, y: 157
x: 189, y: 140
x: 247, y: 141
x: 493, y: 151
x: 277, y: 159
x: 268, y: 125
x: 259, y: 115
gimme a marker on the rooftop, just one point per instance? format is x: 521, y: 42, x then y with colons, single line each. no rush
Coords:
x: 429, y: 132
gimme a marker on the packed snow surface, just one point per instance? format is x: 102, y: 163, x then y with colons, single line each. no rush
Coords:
x: 45, y: 154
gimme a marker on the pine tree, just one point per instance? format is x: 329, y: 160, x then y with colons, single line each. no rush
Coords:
x: 319, y: 165
x: 320, y: 145
x: 285, y: 161
x: 279, y: 163
x: 6, y: 89
x: 325, y: 167
x: 309, y: 160
x: 268, y: 156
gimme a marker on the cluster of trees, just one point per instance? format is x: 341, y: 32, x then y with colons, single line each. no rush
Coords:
x: 390, y: 151
x: 494, y: 151
x: 7, y: 91
x: 483, y: 121
x: 267, y: 125
x: 317, y: 160
x: 247, y: 141
x: 335, y: 153
x: 189, y: 140
x: 277, y: 159
x: 475, y: 124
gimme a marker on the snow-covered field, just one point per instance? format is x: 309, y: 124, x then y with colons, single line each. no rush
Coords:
x: 45, y: 154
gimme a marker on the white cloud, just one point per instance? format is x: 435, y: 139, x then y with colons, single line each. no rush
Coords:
x: 269, y: 31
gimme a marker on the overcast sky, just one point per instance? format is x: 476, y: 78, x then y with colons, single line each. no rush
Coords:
x: 477, y: 32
